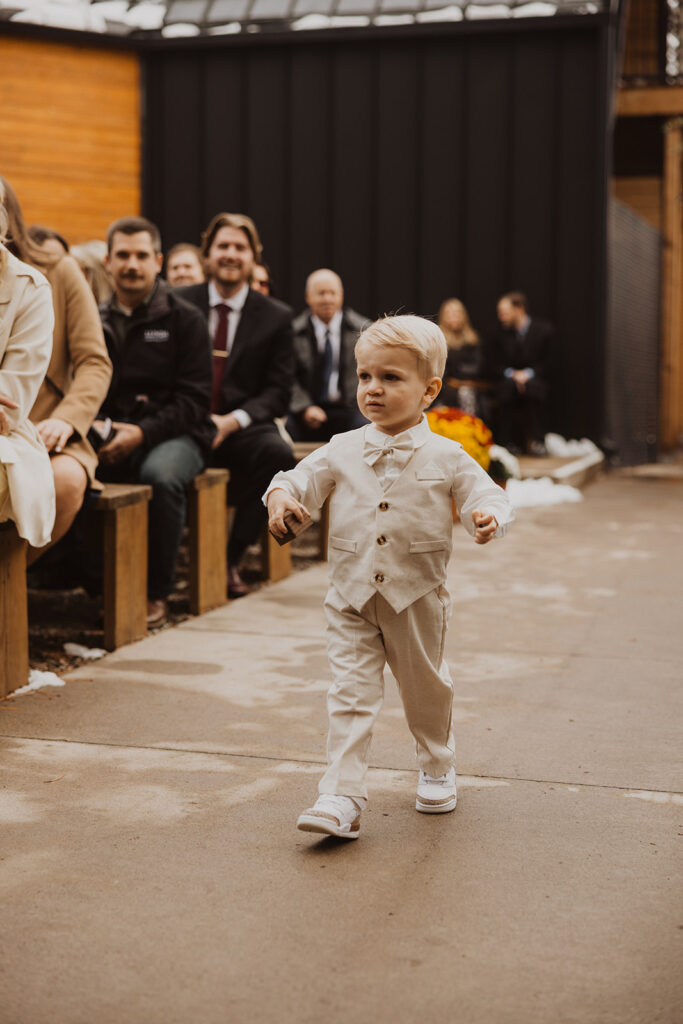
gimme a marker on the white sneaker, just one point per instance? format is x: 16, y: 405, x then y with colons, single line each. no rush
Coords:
x: 436, y: 796
x: 332, y: 815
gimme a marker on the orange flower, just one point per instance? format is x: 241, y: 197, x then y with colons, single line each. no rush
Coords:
x: 470, y: 431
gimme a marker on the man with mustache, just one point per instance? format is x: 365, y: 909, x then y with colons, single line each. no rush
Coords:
x: 159, y: 395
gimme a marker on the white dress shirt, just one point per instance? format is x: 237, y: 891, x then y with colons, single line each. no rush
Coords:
x: 334, y: 327
x: 389, y: 467
x: 236, y: 304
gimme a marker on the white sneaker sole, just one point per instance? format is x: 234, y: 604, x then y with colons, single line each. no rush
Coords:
x: 428, y: 807
x: 327, y: 827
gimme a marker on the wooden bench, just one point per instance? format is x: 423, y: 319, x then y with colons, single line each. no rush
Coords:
x: 208, y: 540
x: 121, y: 511
x: 13, y: 611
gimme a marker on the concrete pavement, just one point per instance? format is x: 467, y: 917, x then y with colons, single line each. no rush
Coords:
x: 151, y: 871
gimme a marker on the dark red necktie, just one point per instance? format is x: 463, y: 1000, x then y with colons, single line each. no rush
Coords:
x: 220, y: 352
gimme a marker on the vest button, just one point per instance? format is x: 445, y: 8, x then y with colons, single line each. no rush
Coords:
x: 383, y: 506
x: 382, y: 539
x: 378, y: 577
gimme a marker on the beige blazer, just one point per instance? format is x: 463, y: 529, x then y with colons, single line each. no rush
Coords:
x: 26, y: 319
x: 395, y: 541
x: 80, y: 365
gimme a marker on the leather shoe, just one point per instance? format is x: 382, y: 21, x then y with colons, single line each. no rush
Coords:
x: 157, y: 613
x: 236, y: 585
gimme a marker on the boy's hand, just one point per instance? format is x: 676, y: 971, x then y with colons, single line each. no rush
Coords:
x: 280, y: 502
x: 485, y: 526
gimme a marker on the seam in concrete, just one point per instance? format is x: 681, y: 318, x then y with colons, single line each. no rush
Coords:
x: 300, y: 760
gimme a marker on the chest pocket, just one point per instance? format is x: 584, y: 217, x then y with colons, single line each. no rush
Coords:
x: 342, y: 544
x: 430, y: 472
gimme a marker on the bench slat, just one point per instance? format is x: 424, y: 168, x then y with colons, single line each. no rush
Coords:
x: 119, y: 495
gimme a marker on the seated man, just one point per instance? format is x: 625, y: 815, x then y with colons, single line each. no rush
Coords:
x: 253, y: 370
x: 184, y: 265
x: 519, y: 358
x: 159, y: 395
x: 324, y: 397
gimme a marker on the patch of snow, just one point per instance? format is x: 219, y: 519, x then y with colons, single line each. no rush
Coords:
x: 79, y: 651
x: 37, y: 680
x: 561, y: 448
x: 535, y: 493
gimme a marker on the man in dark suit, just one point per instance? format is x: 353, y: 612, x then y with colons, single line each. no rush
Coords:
x: 253, y: 372
x: 519, y: 357
x: 324, y: 396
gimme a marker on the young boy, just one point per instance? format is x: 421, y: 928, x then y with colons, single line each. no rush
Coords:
x: 392, y: 485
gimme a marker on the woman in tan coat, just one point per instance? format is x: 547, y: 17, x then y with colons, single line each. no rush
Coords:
x: 77, y: 378
x: 26, y: 489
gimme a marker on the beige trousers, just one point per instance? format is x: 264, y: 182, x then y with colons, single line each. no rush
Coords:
x: 359, y: 645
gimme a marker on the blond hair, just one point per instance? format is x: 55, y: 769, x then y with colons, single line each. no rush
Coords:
x: 456, y: 339
x: 414, y: 333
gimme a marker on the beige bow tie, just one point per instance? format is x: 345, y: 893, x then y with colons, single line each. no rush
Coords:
x: 373, y: 452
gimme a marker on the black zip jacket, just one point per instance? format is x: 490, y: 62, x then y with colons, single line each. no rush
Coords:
x: 162, y: 370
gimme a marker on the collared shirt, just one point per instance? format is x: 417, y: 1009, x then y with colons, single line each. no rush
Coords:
x: 321, y: 329
x: 387, y: 468
x: 236, y: 304
x: 390, y: 466
x: 521, y: 333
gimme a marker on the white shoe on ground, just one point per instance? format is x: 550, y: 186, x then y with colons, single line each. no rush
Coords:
x: 436, y: 796
x: 333, y: 816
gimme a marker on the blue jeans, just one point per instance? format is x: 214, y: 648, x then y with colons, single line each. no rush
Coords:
x: 168, y: 469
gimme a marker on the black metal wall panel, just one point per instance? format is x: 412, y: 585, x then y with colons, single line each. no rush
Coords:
x: 419, y: 167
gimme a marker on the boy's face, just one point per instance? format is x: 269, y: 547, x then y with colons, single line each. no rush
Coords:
x: 392, y: 393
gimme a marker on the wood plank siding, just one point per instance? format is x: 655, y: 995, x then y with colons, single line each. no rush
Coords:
x: 70, y: 131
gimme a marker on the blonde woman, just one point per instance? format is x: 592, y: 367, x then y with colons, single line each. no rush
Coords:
x: 26, y: 318
x: 77, y: 378
x: 465, y: 359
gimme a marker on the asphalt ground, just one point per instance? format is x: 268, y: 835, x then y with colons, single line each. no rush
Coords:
x: 151, y: 869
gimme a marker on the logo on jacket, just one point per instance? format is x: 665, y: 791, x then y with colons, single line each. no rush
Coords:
x: 154, y: 334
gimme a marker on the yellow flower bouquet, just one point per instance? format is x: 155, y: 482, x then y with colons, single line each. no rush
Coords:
x: 470, y: 431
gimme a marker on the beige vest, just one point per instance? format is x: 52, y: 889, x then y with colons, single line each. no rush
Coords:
x: 397, y: 541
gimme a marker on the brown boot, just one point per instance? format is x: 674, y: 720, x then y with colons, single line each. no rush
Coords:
x: 236, y: 585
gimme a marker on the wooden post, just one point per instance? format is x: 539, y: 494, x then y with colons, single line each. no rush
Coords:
x: 13, y: 611
x: 671, y: 423
x: 124, y: 509
x: 208, y: 536
x: 277, y: 559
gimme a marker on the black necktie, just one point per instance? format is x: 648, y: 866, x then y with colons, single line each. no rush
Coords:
x: 220, y: 352
x: 327, y: 368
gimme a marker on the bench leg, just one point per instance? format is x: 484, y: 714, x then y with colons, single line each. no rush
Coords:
x: 13, y: 612
x: 277, y: 560
x: 125, y: 575
x: 208, y: 529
